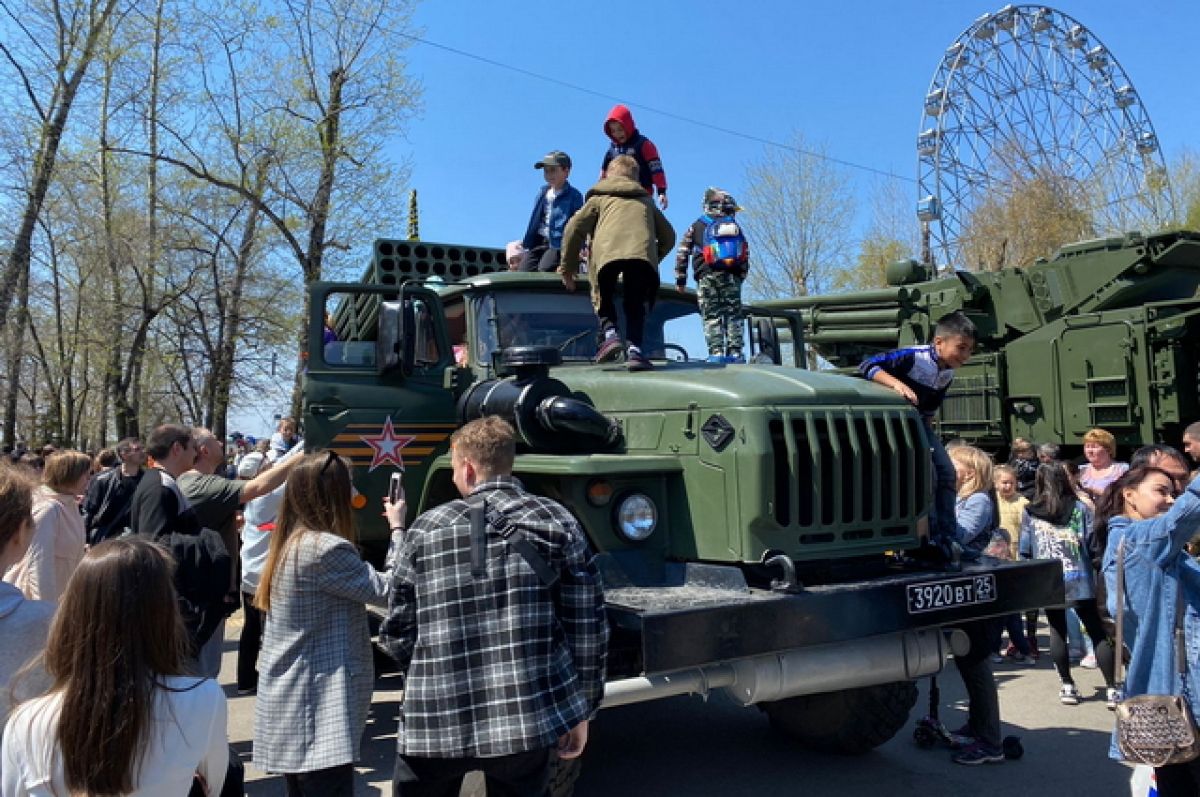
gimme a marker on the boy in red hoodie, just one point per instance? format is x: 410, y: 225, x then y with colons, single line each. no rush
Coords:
x: 626, y: 140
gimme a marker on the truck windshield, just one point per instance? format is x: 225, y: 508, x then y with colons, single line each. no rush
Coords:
x: 567, y: 322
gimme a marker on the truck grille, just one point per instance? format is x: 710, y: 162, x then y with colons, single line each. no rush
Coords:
x: 857, y: 475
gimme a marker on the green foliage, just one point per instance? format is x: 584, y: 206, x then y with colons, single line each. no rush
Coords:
x: 164, y: 290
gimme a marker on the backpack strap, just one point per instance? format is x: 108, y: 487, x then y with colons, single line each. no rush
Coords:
x: 481, y: 517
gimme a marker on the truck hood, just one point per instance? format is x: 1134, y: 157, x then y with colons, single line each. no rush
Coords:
x: 675, y: 385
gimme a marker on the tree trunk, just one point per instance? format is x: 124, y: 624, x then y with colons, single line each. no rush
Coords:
x: 43, y: 165
x: 12, y: 392
x: 329, y: 133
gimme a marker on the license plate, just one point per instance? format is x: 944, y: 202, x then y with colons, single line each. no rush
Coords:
x: 951, y: 593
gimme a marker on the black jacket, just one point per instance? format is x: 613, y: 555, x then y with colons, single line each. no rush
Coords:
x: 202, y: 562
x: 106, y: 505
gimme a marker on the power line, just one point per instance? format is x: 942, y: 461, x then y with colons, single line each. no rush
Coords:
x: 652, y: 109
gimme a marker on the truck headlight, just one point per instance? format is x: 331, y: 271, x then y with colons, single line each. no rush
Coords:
x: 636, y: 517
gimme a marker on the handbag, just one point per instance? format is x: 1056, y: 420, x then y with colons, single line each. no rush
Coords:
x: 235, y: 779
x: 1154, y: 729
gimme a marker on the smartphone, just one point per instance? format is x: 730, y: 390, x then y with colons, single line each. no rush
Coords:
x: 396, y: 487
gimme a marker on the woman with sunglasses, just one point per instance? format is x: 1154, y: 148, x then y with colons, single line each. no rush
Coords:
x: 315, y: 671
x: 1149, y: 526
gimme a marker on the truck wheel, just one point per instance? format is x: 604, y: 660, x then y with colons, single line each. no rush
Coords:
x: 563, y: 775
x: 849, y: 722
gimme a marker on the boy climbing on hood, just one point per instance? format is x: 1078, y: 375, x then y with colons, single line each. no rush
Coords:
x: 626, y: 140
x: 629, y: 236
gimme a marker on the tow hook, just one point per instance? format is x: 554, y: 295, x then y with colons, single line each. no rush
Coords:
x: 789, y: 583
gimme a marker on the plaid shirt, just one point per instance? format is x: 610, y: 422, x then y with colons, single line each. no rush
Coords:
x: 502, y: 664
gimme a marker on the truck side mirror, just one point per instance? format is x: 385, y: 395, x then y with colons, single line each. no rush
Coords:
x: 767, y: 337
x: 393, y: 336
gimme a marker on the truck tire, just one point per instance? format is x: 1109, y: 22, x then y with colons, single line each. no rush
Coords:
x: 563, y: 775
x: 849, y: 722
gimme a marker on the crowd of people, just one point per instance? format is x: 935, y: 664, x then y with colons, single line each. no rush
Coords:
x: 1123, y: 533
x: 118, y: 574
x: 116, y: 589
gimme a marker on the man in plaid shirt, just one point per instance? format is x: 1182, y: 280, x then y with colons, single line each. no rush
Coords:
x: 502, y: 671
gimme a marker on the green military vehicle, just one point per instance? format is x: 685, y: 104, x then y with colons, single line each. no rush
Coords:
x: 1106, y: 333
x: 751, y: 521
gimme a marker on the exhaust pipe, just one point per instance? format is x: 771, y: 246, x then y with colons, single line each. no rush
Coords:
x: 805, y: 671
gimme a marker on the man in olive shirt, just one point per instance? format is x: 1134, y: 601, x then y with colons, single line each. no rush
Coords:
x: 215, y: 501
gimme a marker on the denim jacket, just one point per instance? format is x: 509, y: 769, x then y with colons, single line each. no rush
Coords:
x: 974, y: 523
x: 565, y: 205
x: 1156, y: 566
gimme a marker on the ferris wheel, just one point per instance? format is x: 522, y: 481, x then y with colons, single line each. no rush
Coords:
x: 1029, y: 90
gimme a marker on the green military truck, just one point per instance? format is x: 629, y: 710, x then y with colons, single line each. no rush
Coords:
x: 751, y: 521
x: 1105, y: 333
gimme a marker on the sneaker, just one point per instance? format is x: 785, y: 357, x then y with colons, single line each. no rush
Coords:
x: 961, y: 739
x: 979, y: 753
x: 997, y: 658
x: 638, y: 362
x: 1019, y: 657
x: 1112, y: 698
x: 1068, y: 695
x: 1089, y: 661
x: 609, y: 350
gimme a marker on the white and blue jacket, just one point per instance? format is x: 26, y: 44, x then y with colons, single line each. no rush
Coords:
x: 919, y: 368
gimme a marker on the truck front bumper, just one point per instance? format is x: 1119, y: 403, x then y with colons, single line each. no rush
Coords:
x: 707, y: 617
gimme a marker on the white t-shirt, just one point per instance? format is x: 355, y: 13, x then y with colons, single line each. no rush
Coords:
x: 188, y: 735
x: 544, y: 227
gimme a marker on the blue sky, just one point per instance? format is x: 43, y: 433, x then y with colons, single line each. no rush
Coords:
x: 849, y: 76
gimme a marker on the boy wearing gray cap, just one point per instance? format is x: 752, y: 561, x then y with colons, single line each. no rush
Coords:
x: 557, y: 201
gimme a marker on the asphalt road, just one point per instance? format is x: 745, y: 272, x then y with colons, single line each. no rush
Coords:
x: 689, y: 746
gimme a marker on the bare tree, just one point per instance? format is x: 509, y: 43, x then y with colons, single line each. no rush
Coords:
x: 320, y: 123
x: 799, y: 211
x: 891, y: 235
x: 1185, y: 178
x: 50, y: 77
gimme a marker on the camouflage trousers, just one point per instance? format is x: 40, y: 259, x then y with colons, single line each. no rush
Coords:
x: 720, y: 295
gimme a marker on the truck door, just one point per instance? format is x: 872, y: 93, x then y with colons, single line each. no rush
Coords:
x: 374, y: 387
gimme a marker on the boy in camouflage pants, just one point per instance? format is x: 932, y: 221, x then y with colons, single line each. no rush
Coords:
x: 718, y: 284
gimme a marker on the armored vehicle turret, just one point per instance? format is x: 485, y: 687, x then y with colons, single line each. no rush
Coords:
x: 1105, y: 333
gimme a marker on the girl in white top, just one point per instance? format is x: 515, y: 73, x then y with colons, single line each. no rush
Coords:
x: 121, y: 718
x: 59, y: 538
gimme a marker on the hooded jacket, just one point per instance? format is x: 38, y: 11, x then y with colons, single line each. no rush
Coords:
x: 23, y: 627
x: 640, y: 148
x: 624, y: 225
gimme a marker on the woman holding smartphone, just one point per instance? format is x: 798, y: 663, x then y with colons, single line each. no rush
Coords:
x: 315, y: 671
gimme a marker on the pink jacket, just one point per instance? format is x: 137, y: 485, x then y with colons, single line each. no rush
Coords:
x: 56, y: 548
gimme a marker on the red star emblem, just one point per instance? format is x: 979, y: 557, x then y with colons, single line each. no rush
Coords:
x: 386, y: 446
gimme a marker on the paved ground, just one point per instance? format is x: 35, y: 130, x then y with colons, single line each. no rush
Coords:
x: 687, y: 746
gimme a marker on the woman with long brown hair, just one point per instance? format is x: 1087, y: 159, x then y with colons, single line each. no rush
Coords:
x: 315, y: 671
x: 1146, y: 523
x: 121, y: 717
x: 59, y: 539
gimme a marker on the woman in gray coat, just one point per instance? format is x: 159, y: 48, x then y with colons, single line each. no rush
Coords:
x: 315, y: 672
